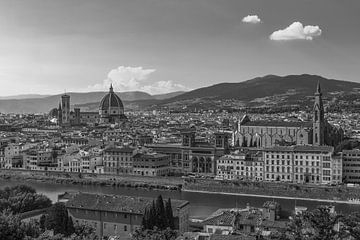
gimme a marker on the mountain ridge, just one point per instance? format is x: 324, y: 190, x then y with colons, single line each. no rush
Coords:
x: 268, y: 91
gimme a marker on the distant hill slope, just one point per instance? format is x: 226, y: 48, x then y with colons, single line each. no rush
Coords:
x: 294, y: 86
x: 24, y: 96
x: 167, y: 95
x: 45, y: 103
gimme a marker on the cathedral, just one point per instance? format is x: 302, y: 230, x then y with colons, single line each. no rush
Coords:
x: 111, y: 111
x: 280, y: 133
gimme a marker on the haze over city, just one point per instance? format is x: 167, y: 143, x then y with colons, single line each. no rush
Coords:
x: 158, y: 46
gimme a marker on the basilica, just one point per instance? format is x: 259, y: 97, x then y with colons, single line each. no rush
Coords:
x: 281, y: 133
x: 111, y: 111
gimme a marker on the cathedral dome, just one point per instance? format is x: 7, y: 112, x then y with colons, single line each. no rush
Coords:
x: 111, y: 100
x: 111, y: 108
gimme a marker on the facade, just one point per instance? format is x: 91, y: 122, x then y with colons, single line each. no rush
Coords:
x: 351, y: 165
x: 111, y: 108
x: 35, y: 159
x: 151, y: 164
x: 263, y: 134
x: 240, y: 166
x: 302, y: 164
x: 117, y: 215
x: 118, y: 160
x: 2, y: 156
x: 11, y: 154
x: 193, y: 156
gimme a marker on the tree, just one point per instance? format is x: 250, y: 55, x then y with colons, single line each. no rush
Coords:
x: 154, y: 234
x: 84, y: 232
x: 42, y: 222
x: 160, y: 212
x: 21, y: 199
x: 351, y: 225
x: 169, y: 215
x: 12, y: 228
x: 59, y: 220
x: 159, y: 216
x: 319, y: 224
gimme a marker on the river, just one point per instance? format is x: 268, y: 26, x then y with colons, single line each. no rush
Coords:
x: 201, y: 204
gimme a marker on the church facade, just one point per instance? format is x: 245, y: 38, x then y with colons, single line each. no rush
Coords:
x: 263, y: 134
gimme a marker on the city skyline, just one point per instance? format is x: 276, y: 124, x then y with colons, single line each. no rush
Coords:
x: 163, y: 46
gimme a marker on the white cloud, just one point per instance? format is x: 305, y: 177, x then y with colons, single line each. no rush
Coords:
x: 164, y: 87
x: 134, y: 79
x: 296, y: 31
x: 251, y: 19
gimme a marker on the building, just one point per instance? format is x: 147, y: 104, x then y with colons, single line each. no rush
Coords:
x: 284, y: 133
x: 151, y: 164
x: 65, y: 110
x: 36, y: 159
x: 240, y: 166
x: 117, y: 215
x: 118, y: 160
x: 302, y: 164
x: 11, y: 155
x: 111, y: 108
x: 247, y: 220
x: 192, y: 156
x: 351, y: 165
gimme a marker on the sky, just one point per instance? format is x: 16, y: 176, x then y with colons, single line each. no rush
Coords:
x: 159, y: 46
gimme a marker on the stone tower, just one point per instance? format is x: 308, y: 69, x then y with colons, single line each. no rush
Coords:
x: 318, y: 118
x: 65, y: 106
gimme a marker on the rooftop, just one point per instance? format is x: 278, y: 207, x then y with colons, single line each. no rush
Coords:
x: 301, y: 148
x: 263, y: 123
x: 115, y: 203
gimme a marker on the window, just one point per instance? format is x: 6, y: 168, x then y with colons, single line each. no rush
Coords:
x: 125, y: 228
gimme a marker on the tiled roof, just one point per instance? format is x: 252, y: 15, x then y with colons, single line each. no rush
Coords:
x: 313, y: 148
x: 231, y: 237
x: 115, y: 203
x: 301, y: 148
x: 220, y: 218
x: 125, y: 149
x: 263, y: 123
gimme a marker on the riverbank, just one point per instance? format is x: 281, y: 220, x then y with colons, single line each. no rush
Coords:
x: 271, y: 196
x: 339, y: 194
x: 159, y: 183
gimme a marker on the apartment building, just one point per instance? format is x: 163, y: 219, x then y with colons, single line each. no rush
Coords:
x: 351, y: 165
x: 151, y: 164
x: 240, y: 165
x: 302, y: 164
x: 118, y: 160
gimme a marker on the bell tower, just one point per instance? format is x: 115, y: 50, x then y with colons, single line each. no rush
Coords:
x: 318, y: 118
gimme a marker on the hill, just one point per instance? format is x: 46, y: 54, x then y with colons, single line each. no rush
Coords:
x: 44, y: 104
x: 267, y: 90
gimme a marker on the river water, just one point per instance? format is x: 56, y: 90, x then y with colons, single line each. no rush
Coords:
x: 201, y: 204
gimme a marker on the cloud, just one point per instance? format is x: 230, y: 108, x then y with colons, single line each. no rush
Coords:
x: 126, y: 78
x: 251, y: 19
x: 296, y: 31
x: 164, y: 87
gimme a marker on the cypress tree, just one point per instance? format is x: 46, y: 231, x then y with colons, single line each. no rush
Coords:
x: 152, y: 216
x: 70, y: 226
x: 169, y: 215
x: 145, y: 219
x: 160, y: 212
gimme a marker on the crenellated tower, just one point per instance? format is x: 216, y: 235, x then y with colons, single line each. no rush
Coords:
x: 318, y: 119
